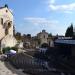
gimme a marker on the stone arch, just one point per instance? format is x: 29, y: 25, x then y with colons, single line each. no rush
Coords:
x: 7, y: 23
x: 44, y: 45
x: 6, y: 26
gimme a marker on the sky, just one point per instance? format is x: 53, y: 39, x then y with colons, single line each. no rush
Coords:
x: 32, y: 16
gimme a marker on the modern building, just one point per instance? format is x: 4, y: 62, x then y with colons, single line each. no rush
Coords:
x: 6, y: 28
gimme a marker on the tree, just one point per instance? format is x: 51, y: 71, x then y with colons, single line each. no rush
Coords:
x: 69, y: 31
x: 29, y: 36
x: 18, y: 36
x: 50, y: 35
x: 23, y: 37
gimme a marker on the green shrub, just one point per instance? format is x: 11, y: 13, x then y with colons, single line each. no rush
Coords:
x: 7, y: 49
x: 14, y: 48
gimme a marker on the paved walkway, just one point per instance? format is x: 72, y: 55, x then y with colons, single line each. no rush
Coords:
x: 7, y: 69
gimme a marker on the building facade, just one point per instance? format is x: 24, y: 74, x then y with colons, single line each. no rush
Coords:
x: 6, y: 28
x: 43, y: 37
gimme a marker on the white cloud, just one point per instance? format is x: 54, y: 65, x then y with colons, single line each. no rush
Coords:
x: 41, y: 21
x: 67, y: 8
x: 68, y: 12
x: 63, y: 7
x: 52, y: 1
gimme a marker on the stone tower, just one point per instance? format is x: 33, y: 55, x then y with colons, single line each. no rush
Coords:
x: 6, y: 27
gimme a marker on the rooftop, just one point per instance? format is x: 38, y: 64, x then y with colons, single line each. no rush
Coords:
x: 65, y: 41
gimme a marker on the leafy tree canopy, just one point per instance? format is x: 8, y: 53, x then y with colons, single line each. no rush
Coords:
x: 69, y: 31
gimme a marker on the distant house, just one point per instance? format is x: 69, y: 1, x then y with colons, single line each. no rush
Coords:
x: 44, y: 38
x: 6, y: 28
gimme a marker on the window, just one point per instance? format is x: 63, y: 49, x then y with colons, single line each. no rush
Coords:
x: 4, y: 25
x: 44, y: 36
x: 6, y: 11
x: 2, y: 21
x: 6, y: 31
x: 9, y: 25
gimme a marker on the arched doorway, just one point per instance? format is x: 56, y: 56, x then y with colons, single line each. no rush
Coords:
x: 44, y: 45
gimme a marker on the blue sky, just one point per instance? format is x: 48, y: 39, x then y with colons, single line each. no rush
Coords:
x: 31, y: 16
